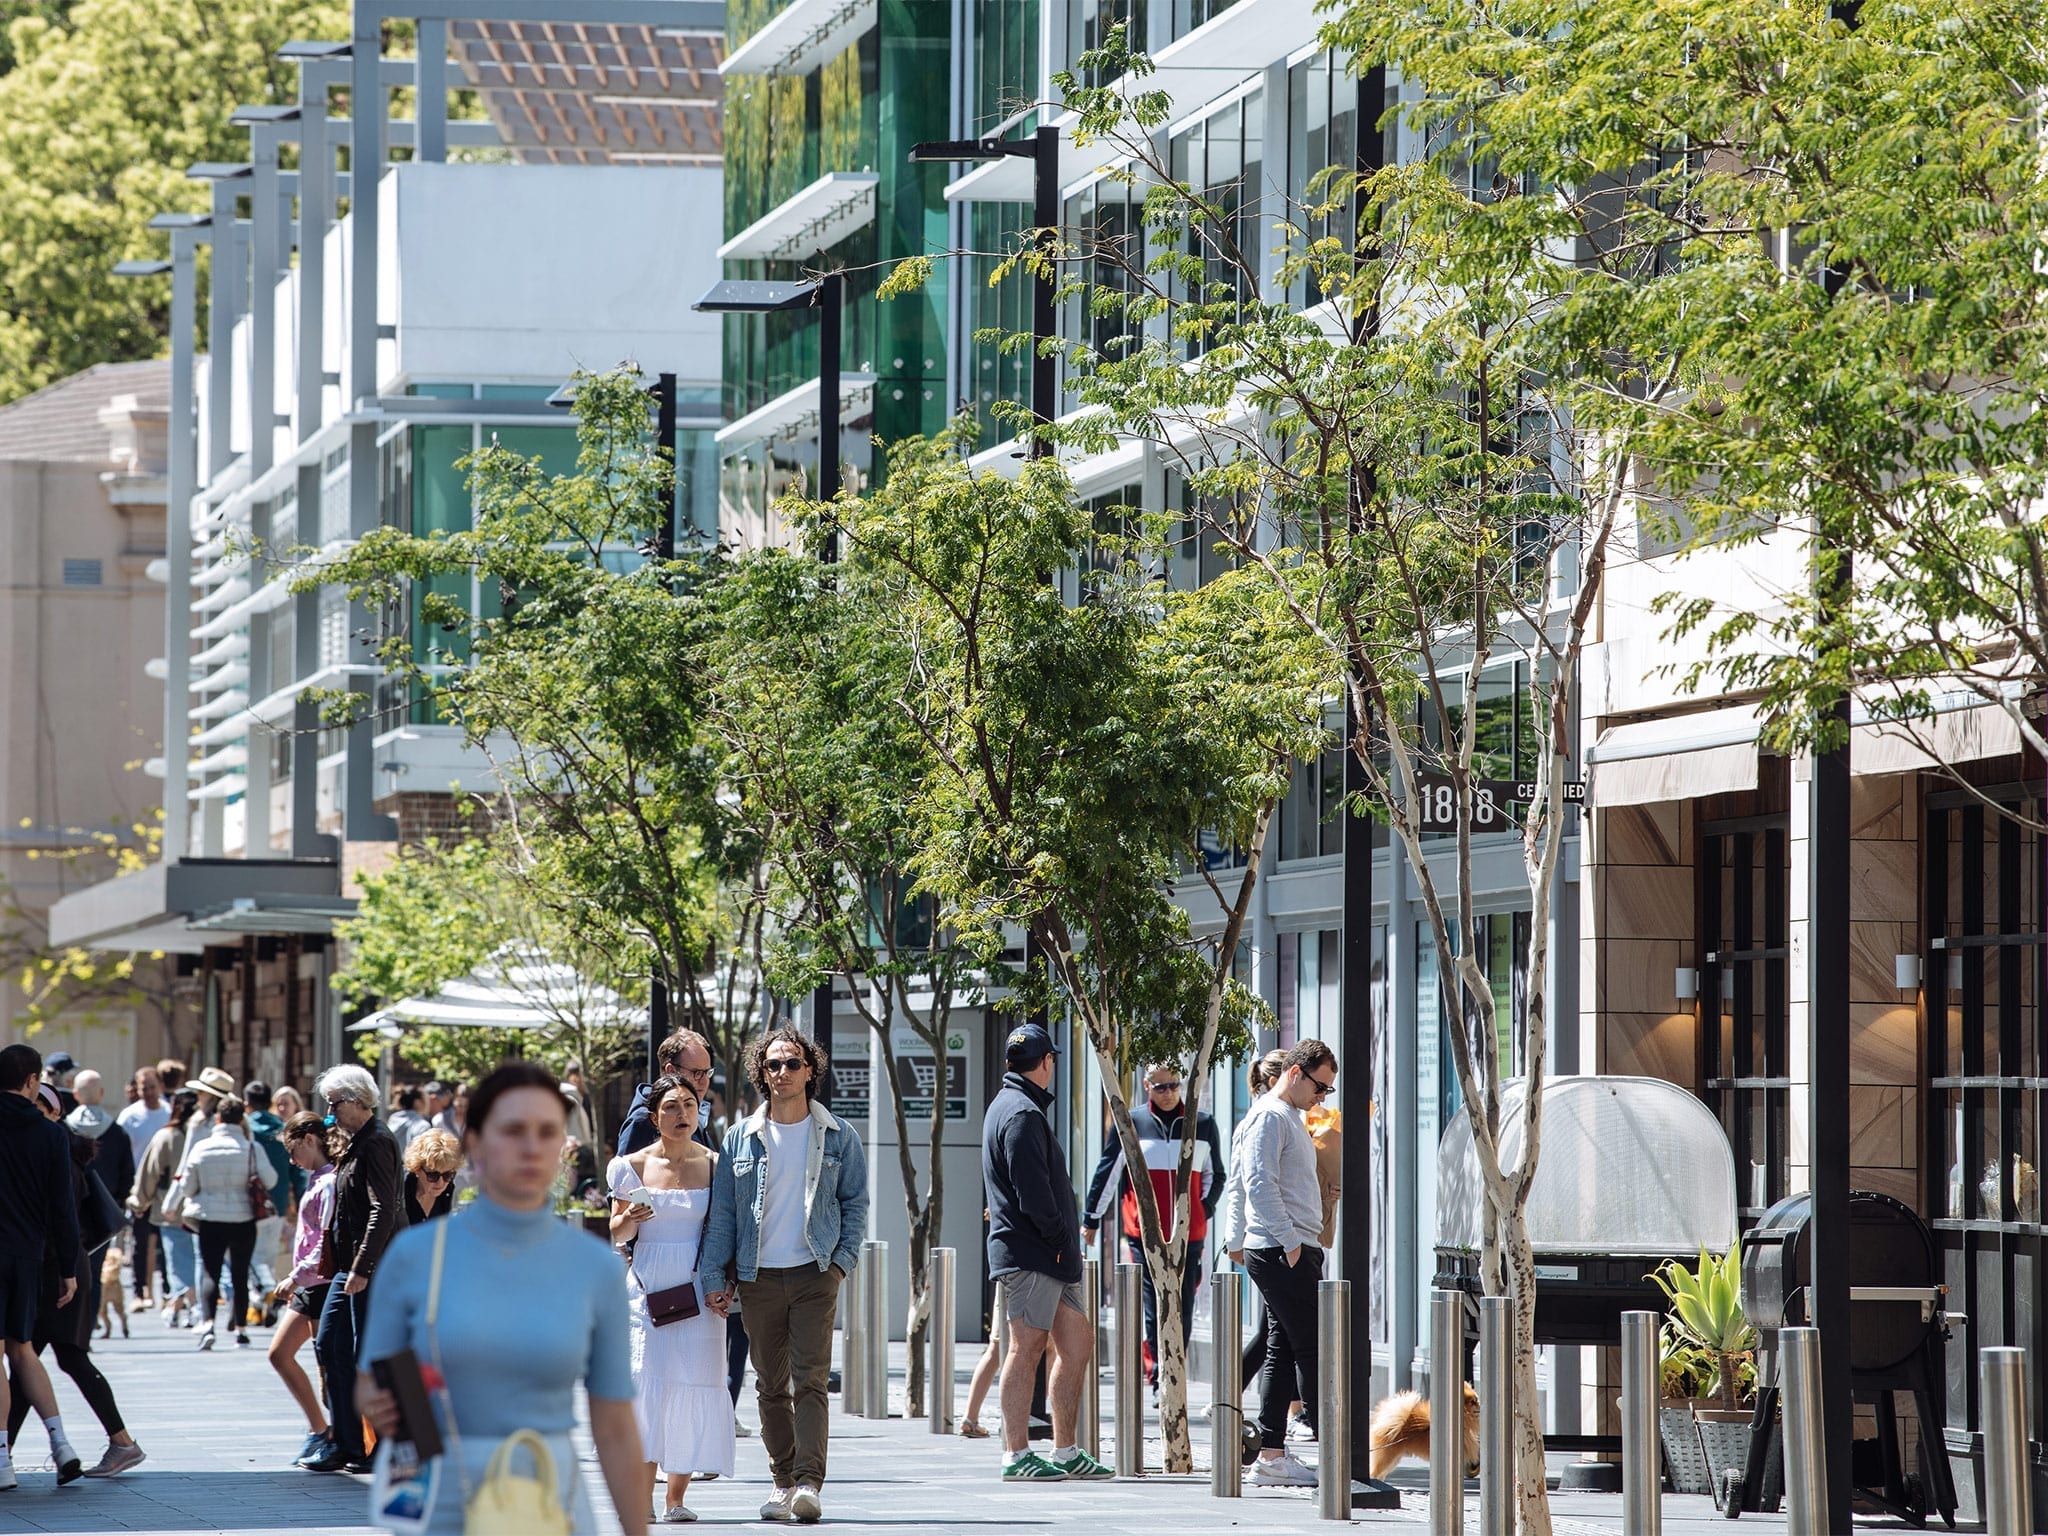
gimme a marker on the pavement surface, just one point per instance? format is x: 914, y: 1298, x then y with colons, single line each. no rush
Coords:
x: 220, y: 1432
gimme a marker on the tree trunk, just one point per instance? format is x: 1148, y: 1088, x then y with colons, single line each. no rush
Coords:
x: 1531, y: 1491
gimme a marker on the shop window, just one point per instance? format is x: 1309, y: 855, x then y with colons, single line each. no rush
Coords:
x: 1987, y: 1058
x: 1743, y: 1007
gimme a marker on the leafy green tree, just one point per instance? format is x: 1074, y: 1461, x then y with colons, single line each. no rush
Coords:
x: 99, y: 117
x: 442, y: 912
x: 1404, y: 464
x: 1862, y: 422
x: 56, y: 981
x: 1079, y: 755
x: 807, y: 676
x: 581, y: 679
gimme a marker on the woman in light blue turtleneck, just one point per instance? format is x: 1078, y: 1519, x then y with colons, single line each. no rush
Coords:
x: 529, y: 1307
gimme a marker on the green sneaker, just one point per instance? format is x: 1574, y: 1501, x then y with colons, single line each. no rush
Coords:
x: 1082, y: 1468
x: 1032, y: 1468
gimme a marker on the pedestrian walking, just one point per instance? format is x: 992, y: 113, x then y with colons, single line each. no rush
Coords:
x: 405, y: 1120
x: 1160, y: 1122
x: 1281, y: 1199
x: 443, y: 1112
x: 1230, y: 1213
x: 285, y: 1103
x: 66, y: 1328
x: 312, y: 1144
x: 147, y: 1113
x: 158, y: 1194
x: 687, y: 1054
x: 661, y: 1201
x: 1034, y: 1248
x: 273, y: 1232
x: 431, y: 1163
x: 113, y: 1159
x: 213, y: 1086
x: 789, y: 1208
x: 38, y: 1232
x: 222, y: 1178
x: 367, y: 1212
x: 513, y: 1309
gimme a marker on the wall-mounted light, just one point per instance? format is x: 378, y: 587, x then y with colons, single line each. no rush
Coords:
x: 1685, y: 984
x: 1906, y: 972
x: 1727, y: 983
x: 1955, y: 970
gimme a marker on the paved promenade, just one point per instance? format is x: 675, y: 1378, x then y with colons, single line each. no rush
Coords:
x: 220, y: 1430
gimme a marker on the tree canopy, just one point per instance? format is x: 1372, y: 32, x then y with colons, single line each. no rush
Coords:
x: 99, y: 117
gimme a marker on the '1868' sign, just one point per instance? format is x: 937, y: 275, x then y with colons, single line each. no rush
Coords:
x: 1493, y: 801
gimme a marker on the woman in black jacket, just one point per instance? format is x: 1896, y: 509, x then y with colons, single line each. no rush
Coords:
x: 67, y: 1330
x: 432, y: 1160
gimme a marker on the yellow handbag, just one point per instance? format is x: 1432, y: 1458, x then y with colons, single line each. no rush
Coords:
x: 506, y: 1503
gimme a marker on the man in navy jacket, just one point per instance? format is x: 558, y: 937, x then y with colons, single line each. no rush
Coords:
x: 38, y: 1236
x: 1034, y: 1249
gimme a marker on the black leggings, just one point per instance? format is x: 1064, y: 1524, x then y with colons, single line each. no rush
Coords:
x: 74, y: 1362
x: 234, y: 1241
x: 1291, y: 1343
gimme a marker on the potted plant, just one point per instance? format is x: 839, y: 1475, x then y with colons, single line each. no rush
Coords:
x: 1706, y: 1310
x: 1683, y: 1371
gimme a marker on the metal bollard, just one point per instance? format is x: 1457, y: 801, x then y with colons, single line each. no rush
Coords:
x: 853, y: 1307
x: 1226, y: 1411
x: 939, y: 1381
x: 1806, y: 1464
x: 1130, y: 1371
x: 2008, y: 1498
x: 874, y: 1330
x: 1446, y: 1413
x: 1333, y: 1387
x: 1642, y: 1469
x: 1088, y: 1431
x: 1496, y: 1417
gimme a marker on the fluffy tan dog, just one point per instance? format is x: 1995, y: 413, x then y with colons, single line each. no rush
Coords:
x: 1400, y: 1429
x: 112, y: 1300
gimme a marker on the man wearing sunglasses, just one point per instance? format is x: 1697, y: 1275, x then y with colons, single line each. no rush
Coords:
x: 1282, y: 1222
x: 1160, y: 1121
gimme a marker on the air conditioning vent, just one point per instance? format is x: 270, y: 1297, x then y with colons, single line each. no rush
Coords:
x: 81, y: 573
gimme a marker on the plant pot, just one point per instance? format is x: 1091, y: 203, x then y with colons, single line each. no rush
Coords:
x: 1685, y: 1464
x: 1724, y: 1444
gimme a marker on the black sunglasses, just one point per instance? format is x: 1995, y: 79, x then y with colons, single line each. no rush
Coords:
x: 1320, y: 1087
x: 779, y: 1064
x: 1172, y: 1087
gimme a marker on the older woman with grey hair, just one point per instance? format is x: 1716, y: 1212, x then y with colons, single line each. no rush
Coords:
x: 367, y: 1211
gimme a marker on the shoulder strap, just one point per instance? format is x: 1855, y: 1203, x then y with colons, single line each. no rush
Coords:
x: 434, y: 1288
x: 440, y: 1227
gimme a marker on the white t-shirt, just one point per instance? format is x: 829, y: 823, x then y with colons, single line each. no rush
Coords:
x: 782, y: 1198
x: 142, y: 1123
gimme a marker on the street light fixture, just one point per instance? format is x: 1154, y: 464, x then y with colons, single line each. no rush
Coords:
x: 1042, y: 149
x: 827, y: 295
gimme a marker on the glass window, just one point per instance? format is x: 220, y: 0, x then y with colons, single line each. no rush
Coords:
x: 1322, y: 115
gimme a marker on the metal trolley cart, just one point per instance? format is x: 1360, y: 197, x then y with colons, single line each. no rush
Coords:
x: 1633, y: 1171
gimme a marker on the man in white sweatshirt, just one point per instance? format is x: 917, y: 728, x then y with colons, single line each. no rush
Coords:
x: 1281, y: 1221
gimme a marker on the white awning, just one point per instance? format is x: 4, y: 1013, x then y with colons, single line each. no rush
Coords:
x: 802, y: 35
x: 837, y: 204
x: 794, y: 413
x: 1963, y: 729
x: 517, y: 988
x: 1680, y: 757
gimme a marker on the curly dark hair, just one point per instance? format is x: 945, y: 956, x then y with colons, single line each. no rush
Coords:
x: 788, y: 1034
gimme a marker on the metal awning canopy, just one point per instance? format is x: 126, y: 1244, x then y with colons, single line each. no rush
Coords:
x: 1195, y: 70
x: 794, y: 413
x: 837, y: 204
x: 801, y: 36
x: 181, y: 908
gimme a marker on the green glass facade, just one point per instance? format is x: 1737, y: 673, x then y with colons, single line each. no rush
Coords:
x: 860, y: 111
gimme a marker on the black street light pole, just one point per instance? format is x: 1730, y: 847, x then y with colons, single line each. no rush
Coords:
x: 827, y: 294
x: 665, y: 410
x: 1042, y: 149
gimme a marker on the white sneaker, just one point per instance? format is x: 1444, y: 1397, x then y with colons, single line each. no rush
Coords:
x: 679, y: 1514
x: 777, y: 1507
x: 804, y: 1505
x: 8, y: 1481
x: 740, y: 1429
x: 1282, y: 1471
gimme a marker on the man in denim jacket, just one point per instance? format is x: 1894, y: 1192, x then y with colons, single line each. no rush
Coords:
x: 789, y: 1207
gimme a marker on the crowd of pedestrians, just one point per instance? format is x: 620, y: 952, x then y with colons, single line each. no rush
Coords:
x: 341, y: 1226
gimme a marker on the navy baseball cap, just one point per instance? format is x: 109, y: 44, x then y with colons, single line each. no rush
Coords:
x: 1028, y: 1044
x: 59, y: 1061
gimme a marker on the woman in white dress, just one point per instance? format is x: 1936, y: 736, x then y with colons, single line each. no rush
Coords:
x: 660, y: 1198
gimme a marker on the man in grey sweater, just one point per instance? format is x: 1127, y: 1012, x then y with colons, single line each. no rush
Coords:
x: 1282, y: 1221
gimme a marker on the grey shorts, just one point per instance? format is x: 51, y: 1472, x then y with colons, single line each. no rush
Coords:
x: 1034, y: 1299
